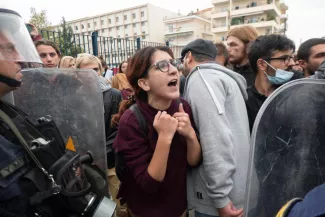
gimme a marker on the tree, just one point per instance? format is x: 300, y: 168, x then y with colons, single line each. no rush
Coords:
x: 67, y: 40
x: 40, y: 20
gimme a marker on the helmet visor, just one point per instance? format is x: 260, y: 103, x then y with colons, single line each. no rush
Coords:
x: 15, y: 41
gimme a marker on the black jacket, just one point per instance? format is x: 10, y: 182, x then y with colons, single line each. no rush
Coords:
x: 182, y: 85
x: 247, y: 72
x: 256, y: 100
x: 112, y: 99
x: 253, y: 104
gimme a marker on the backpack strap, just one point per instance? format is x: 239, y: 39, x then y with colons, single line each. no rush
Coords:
x: 142, y: 122
x: 120, y: 165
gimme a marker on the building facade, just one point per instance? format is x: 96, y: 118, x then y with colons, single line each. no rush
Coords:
x: 267, y: 16
x: 180, y: 30
x: 144, y: 21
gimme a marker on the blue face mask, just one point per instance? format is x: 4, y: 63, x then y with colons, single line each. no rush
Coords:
x: 281, y: 76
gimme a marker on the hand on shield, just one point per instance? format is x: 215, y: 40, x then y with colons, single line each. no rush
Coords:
x: 231, y: 211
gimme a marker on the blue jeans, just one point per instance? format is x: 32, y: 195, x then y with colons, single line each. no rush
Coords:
x: 197, y: 214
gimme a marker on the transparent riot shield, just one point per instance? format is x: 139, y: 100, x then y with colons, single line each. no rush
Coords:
x: 73, y: 98
x: 288, y: 144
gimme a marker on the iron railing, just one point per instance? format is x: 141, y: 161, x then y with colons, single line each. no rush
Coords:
x: 113, y: 50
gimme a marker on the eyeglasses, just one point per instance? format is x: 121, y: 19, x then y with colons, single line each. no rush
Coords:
x: 285, y: 59
x: 163, y: 65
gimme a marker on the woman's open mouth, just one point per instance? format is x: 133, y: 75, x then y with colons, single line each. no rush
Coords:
x: 173, y: 83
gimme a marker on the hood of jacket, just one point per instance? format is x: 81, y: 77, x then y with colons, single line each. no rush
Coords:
x: 239, y: 79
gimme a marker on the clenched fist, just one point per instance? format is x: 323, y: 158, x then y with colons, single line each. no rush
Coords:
x: 165, y: 125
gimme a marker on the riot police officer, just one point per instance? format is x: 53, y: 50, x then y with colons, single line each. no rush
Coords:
x: 38, y: 175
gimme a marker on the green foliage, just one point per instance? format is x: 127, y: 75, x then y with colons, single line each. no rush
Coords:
x: 270, y: 17
x: 237, y: 21
x: 67, y: 39
x: 39, y: 19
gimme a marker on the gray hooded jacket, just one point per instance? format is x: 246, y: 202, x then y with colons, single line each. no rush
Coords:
x: 217, y: 97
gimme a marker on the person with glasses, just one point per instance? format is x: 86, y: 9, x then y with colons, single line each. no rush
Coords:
x: 272, y: 59
x: 217, y: 97
x: 49, y: 53
x: 153, y: 182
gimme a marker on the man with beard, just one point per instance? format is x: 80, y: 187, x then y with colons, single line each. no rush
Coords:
x: 238, y: 41
x: 217, y: 97
x: 271, y: 59
x: 311, y: 54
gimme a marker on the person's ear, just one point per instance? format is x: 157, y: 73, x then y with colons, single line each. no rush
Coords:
x: 303, y: 64
x: 143, y: 83
x: 261, y: 65
x: 189, y: 57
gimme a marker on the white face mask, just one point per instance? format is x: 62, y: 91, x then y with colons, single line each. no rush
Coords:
x: 281, y: 76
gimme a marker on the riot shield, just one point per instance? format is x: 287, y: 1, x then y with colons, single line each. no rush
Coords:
x: 288, y: 145
x: 73, y: 98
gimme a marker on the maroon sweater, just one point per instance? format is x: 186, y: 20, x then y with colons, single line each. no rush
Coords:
x: 145, y: 196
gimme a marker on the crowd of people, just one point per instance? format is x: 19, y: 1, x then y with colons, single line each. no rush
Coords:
x: 178, y: 130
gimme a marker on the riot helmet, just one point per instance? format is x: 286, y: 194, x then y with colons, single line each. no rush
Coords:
x: 17, y: 50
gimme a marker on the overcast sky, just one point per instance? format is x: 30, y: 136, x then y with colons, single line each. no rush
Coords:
x: 306, y: 17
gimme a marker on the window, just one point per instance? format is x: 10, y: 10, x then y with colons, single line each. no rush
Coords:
x: 144, y: 32
x: 143, y: 37
x: 110, y: 29
x: 89, y: 33
x: 76, y: 27
x: 126, y: 35
x: 95, y: 23
x: 142, y: 13
x: 135, y: 33
x: 109, y: 21
x: 134, y: 25
x: 170, y: 28
x: 117, y: 28
x: 102, y: 22
x: 82, y: 26
x: 134, y: 16
x: 126, y: 27
x: 119, y: 36
x: 117, y: 19
x: 125, y: 17
x: 143, y: 23
x: 103, y: 30
x: 88, y: 25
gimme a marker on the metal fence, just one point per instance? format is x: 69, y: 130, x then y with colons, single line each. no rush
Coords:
x: 113, y: 50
